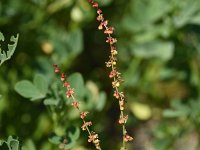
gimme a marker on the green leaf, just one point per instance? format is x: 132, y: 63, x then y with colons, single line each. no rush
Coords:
x: 29, y: 145
x: 154, y: 49
x: 101, y: 101
x: 73, y: 133
x: 41, y: 83
x: 186, y: 12
x: 51, y: 101
x: 76, y: 81
x: 53, y: 138
x: 28, y: 90
x: 11, y: 48
x: 178, y: 110
x: 10, y: 144
x: 14, y: 145
x: 1, y: 37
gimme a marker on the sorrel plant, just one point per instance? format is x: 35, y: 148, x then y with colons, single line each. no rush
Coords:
x: 114, y: 75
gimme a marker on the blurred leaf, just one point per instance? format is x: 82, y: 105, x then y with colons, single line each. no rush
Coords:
x: 186, y: 12
x: 40, y: 83
x: 1, y: 37
x: 28, y: 90
x: 72, y: 134
x: 29, y: 145
x: 53, y: 138
x: 154, y: 49
x: 12, y: 144
x: 101, y: 101
x: 5, y: 55
x: 141, y: 111
x: 51, y: 101
x: 178, y: 110
x: 137, y: 21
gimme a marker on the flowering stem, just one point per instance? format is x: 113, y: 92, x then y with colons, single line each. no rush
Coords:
x: 114, y: 74
x: 93, y: 137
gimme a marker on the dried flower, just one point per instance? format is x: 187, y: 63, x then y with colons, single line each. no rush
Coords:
x: 100, y: 17
x: 83, y: 114
x: 57, y: 70
x: 127, y: 138
x: 123, y: 119
x: 111, y: 40
x: 109, y: 30
x: 62, y: 77
x: 121, y: 105
x: 75, y: 104
x: 95, y: 5
x: 99, y: 11
x: 92, y: 137
x: 115, y: 84
x: 85, y: 125
x: 70, y: 92
x: 66, y: 85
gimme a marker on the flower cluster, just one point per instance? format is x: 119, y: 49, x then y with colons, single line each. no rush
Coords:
x: 93, y: 137
x: 114, y: 73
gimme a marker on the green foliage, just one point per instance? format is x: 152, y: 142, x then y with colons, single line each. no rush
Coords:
x: 36, y: 90
x: 71, y: 136
x: 159, y: 51
x: 10, y: 144
x: 6, y: 55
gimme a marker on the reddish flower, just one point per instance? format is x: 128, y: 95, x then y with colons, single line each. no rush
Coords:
x: 121, y: 104
x: 100, y: 17
x: 105, y: 23
x: 127, y: 138
x: 115, y: 84
x: 62, y: 77
x: 113, y: 73
x: 95, y: 5
x: 75, y: 104
x: 83, y: 114
x: 66, y: 84
x: 93, y: 137
x: 109, y: 30
x: 85, y: 125
x: 55, y: 65
x: 123, y: 119
x: 57, y: 70
x: 99, y: 11
x: 70, y: 92
x: 116, y: 94
x: 100, y: 27
x: 111, y: 40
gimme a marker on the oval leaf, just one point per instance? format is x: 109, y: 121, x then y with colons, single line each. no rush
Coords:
x: 28, y: 90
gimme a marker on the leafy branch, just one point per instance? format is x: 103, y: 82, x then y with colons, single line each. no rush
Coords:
x: 6, y: 55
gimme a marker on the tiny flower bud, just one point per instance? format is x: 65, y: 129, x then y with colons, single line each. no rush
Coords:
x: 66, y: 84
x: 95, y: 5
x: 99, y: 11
x: 127, y: 138
x: 100, y: 17
x: 100, y: 27
x: 62, y: 77
x: 109, y: 30
x: 57, y: 70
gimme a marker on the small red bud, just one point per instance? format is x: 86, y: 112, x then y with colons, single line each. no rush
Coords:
x: 57, y: 70
x: 95, y: 5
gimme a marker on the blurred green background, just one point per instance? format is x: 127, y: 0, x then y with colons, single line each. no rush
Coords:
x: 159, y: 58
